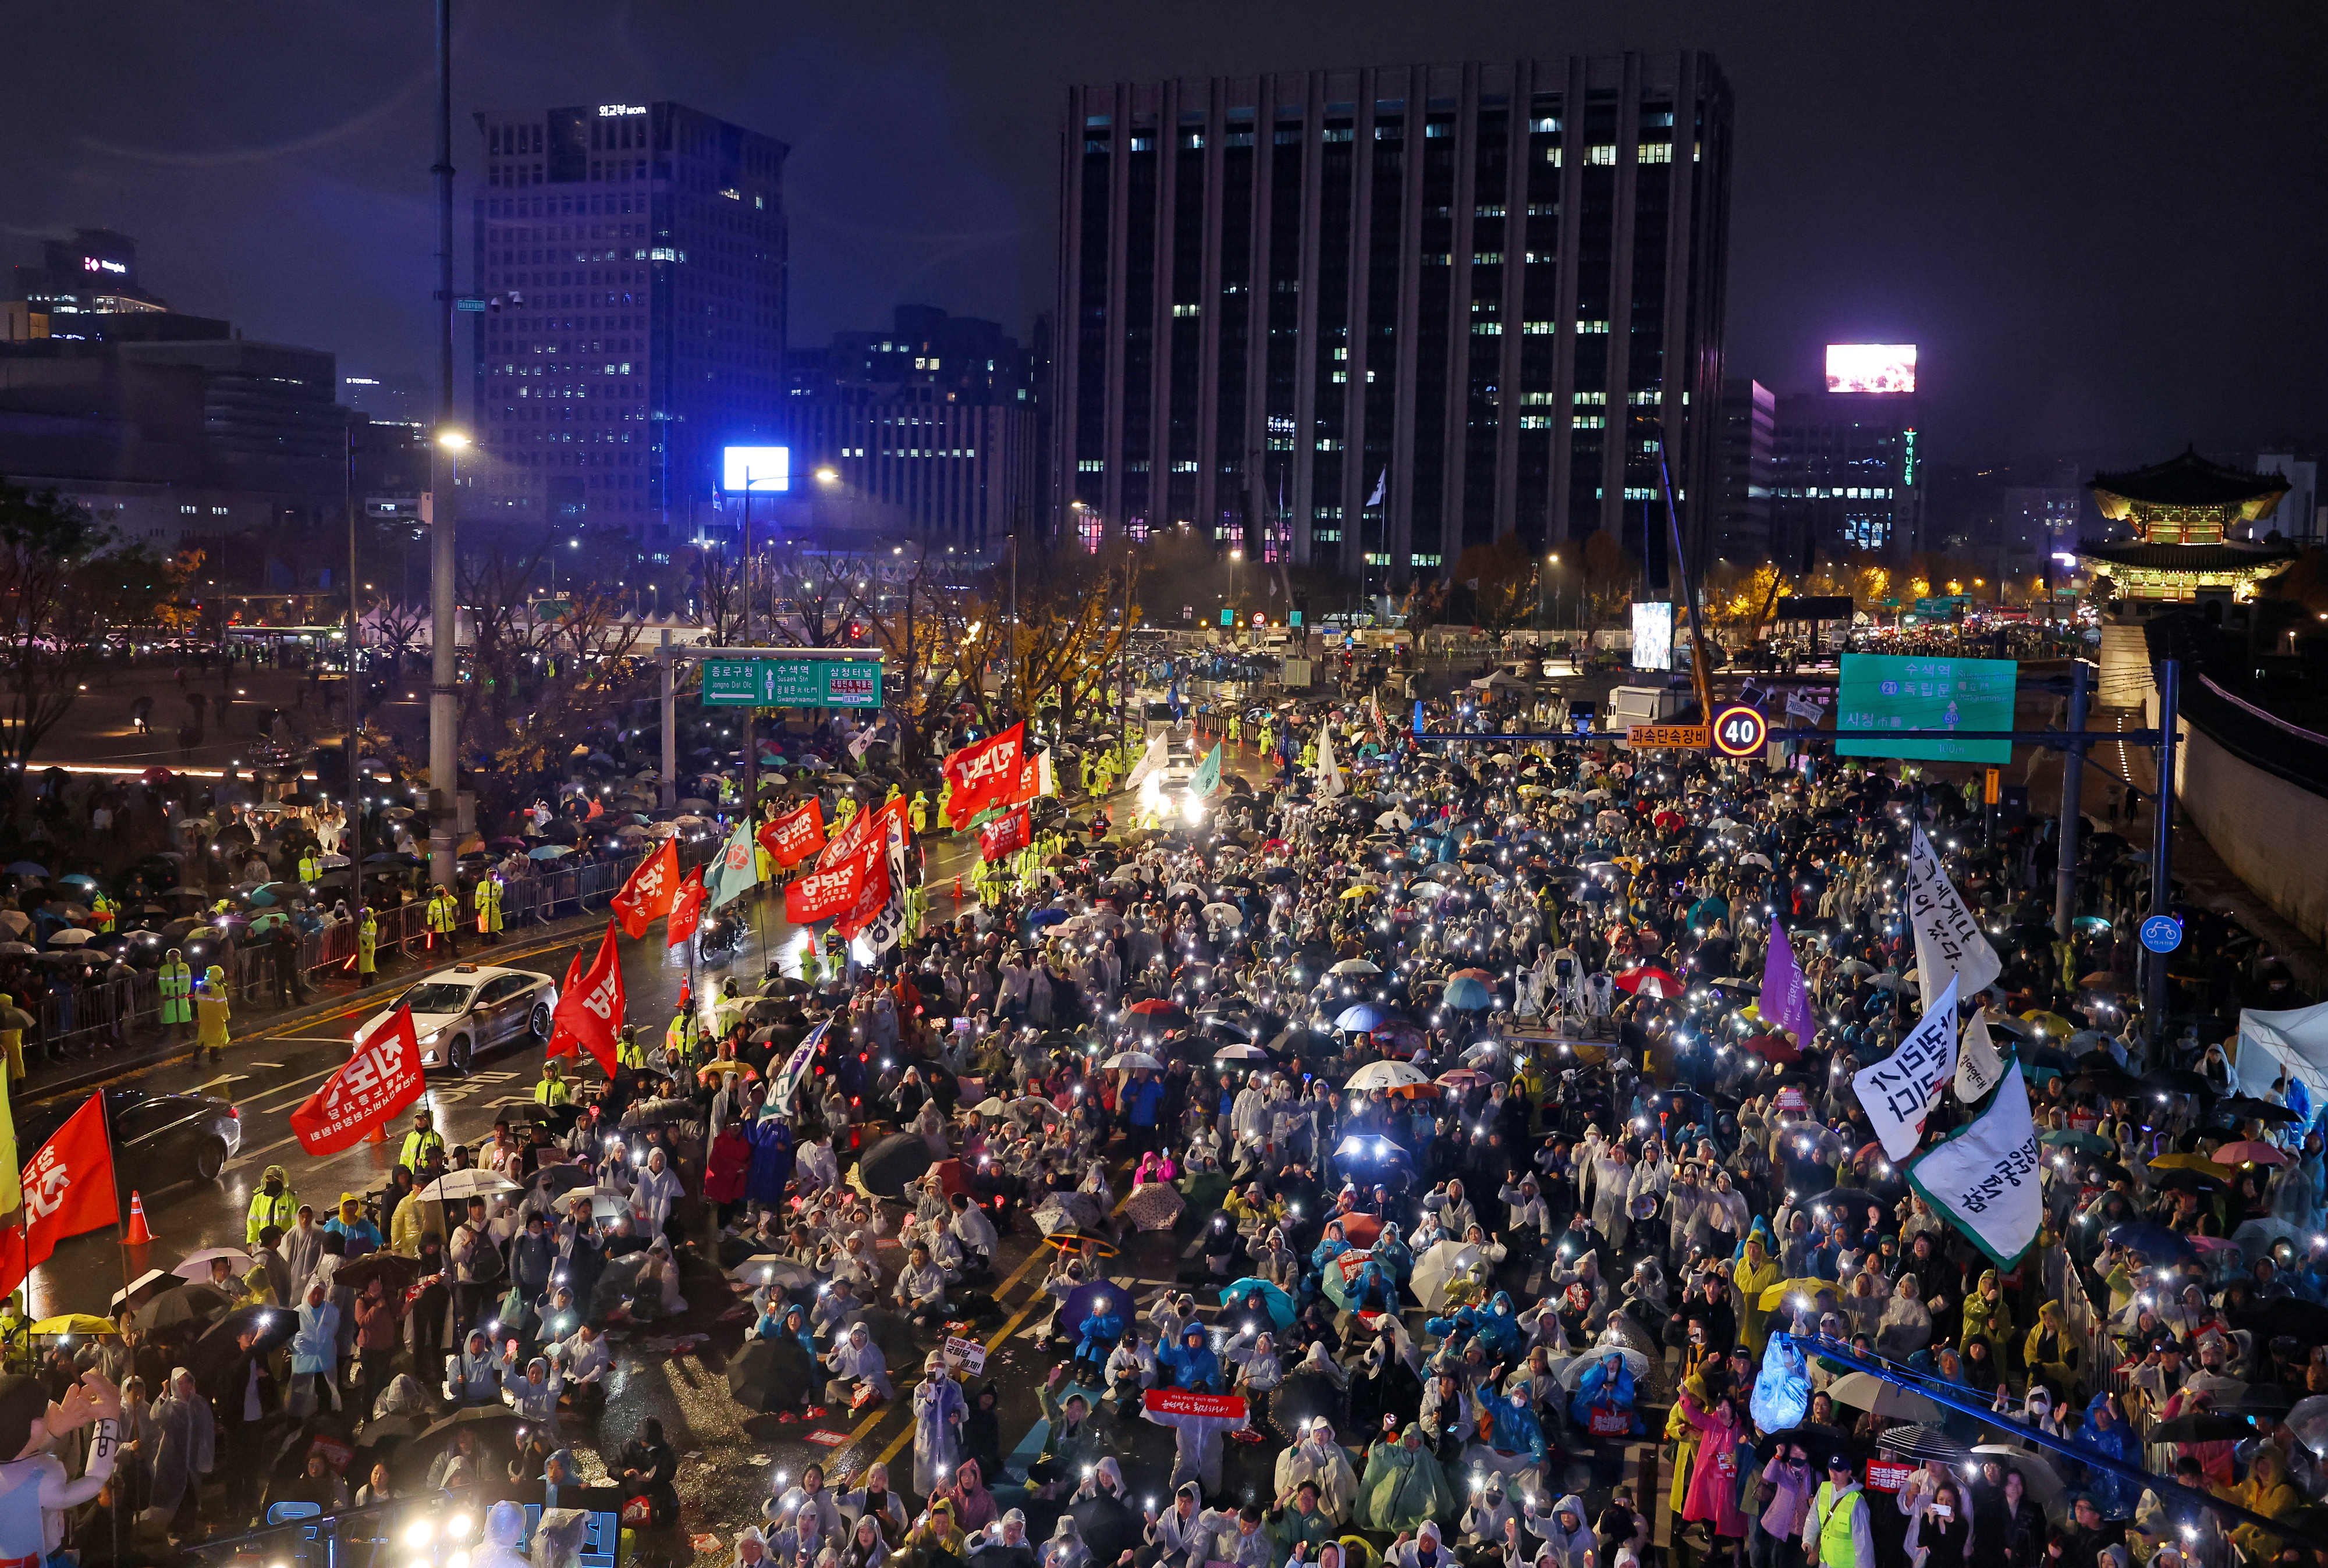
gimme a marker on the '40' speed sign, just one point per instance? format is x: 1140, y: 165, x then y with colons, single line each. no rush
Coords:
x: 1739, y: 731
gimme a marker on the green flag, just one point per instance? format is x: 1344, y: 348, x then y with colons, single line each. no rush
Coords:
x: 736, y: 871
x: 1208, y: 776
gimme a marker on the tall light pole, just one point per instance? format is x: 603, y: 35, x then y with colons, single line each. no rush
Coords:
x: 444, y: 469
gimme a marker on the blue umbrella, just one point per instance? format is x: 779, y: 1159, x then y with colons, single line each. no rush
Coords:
x: 1047, y: 917
x: 1280, y: 1304
x: 549, y: 851
x: 28, y: 868
x: 1363, y: 1016
x: 269, y: 892
x: 1470, y: 995
x: 2150, y: 1240
x: 77, y: 878
x: 1085, y: 1300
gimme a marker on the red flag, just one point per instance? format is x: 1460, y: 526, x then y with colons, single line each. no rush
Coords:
x: 871, y: 901
x: 647, y: 895
x: 984, y: 773
x: 796, y: 835
x: 864, y: 834
x: 379, y: 1080
x: 561, y: 1040
x: 686, y: 910
x: 822, y: 894
x: 590, y: 1011
x: 68, y: 1191
x: 1012, y: 831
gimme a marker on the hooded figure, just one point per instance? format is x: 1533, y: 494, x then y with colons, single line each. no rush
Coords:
x: 1603, y: 1405
x: 1196, y: 1439
x: 974, y: 1505
x: 505, y: 1529
x: 1319, y: 1460
x: 1192, y: 1363
x: 534, y: 1397
x: 1065, y: 1548
x: 858, y: 1359
x: 1514, y: 1429
x: 1404, y: 1487
x: 185, y: 1449
x: 938, y: 1411
x: 2104, y: 1434
x: 1906, y: 1325
x: 472, y: 1377
x: 1567, y: 1536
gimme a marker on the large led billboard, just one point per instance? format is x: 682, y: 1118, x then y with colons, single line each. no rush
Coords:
x: 1870, y: 367
x: 1653, y: 634
x: 755, y: 467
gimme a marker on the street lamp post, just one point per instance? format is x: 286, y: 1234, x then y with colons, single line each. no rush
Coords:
x: 444, y: 695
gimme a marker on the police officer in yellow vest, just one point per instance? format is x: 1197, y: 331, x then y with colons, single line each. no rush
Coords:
x: 488, y: 901
x: 14, y: 1021
x: 311, y: 870
x: 679, y: 1039
x: 274, y: 1204
x: 213, y: 1012
x: 105, y: 911
x: 1836, y: 1533
x: 178, y: 987
x: 367, y: 948
x: 445, y: 919
x: 419, y: 1141
x: 918, y: 813
x: 629, y: 1052
x: 553, y: 1089
x: 808, y: 964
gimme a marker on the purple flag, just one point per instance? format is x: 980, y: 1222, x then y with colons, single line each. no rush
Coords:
x: 1786, y: 999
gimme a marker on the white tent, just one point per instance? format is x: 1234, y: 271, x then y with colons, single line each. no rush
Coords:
x: 2294, y: 1042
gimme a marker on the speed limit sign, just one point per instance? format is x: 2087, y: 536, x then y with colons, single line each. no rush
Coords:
x: 1739, y: 731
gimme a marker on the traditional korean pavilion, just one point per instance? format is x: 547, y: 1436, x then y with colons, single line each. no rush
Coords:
x: 2191, y: 518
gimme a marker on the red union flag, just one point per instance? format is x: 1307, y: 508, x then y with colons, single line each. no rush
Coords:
x: 561, y: 1039
x: 647, y: 895
x: 1004, y: 835
x: 984, y: 774
x: 863, y: 835
x: 686, y: 910
x: 871, y: 901
x: 590, y: 1011
x: 822, y: 894
x: 68, y: 1191
x: 379, y: 1080
x: 796, y: 835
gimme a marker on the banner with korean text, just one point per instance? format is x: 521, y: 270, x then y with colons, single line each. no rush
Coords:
x: 379, y: 1080
x: 1899, y: 1091
x: 1983, y: 1176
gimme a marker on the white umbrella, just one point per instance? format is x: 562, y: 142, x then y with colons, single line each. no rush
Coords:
x: 2309, y: 1421
x: 2037, y: 1473
x: 197, y: 1265
x: 1356, y: 966
x: 991, y: 1106
x: 1385, y: 1075
x: 1755, y: 857
x: 1437, y: 1268
x: 1721, y: 822
x: 1398, y: 819
x: 473, y: 1183
x: 1574, y: 1372
x: 771, y: 1268
x: 1856, y: 967
x: 1865, y: 1391
x: 1240, y: 1053
x: 1131, y: 1059
x: 70, y: 937
x: 1223, y: 914
x: 1425, y: 890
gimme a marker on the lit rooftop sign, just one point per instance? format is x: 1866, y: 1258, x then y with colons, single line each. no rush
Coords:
x: 1870, y: 367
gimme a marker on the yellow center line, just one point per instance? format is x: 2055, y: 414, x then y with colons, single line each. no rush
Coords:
x: 899, y: 1443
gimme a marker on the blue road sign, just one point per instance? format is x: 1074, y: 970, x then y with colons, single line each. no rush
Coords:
x: 2162, y: 933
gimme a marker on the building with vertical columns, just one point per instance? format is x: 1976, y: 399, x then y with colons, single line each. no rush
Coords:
x: 1363, y: 319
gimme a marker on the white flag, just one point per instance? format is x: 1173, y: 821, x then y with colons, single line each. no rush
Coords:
x: 1978, y: 1067
x: 1983, y: 1176
x: 1382, y: 483
x: 1150, y: 760
x: 1899, y: 1091
x: 1329, y: 778
x: 1949, y: 946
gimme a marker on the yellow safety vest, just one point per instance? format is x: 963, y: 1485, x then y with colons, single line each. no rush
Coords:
x: 310, y: 869
x: 553, y: 1092
x: 1836, y: 1548
x: 416, y: 1144
x: 488, y: 900
x: 177, y: 984
x: 442, y: 912
x: 367, y: 945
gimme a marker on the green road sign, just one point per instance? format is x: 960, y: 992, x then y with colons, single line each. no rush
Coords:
x: 1881, y: 692
x: 1945, y: 605
x: 791, y: 683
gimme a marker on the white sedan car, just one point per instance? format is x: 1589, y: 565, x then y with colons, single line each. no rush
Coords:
x: 470, y: 1008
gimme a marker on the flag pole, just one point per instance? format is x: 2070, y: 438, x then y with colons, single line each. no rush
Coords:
x: 120, y: 1218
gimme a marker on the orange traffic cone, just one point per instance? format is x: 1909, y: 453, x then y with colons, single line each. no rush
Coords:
x: 957, y: 887
x: 138, y: 1234
x: 379, y: 1134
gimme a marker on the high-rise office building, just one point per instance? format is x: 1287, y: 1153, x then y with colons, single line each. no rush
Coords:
x: 928, y: 429
x: 633, y: 257
x: 1742, y: 469
x: 1845, y: 473
x: 1365, y: 318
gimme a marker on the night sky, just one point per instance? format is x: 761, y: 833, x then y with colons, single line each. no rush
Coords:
x: 2104, y: 224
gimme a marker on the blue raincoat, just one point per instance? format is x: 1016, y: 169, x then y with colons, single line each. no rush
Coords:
x: 1596, y: 1388
x: 2113, y: 1495
x: 1193, y: 1363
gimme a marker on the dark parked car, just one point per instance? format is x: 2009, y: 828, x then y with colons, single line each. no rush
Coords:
x: 157, y: 1139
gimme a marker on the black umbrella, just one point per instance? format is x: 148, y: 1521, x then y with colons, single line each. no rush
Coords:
x: 381, y: 1437
x: 615, y: 1281
x: 1921, y: 1442
x: 1108, y: 1525
x: 222, y: 1342
x: 770, y: 1374
x: 2284, y: 1315
x: 2169, y: 1080
x: 495, y: 1426
x: 1848, y: 1202
x: 194, y: 1303
x: 894, y: 1333
x: 2249, y: 1109
x: 2180, y: 1180
x: 1820, y: 1442
x: 395, y: 1272
x: 895, y: 1161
